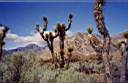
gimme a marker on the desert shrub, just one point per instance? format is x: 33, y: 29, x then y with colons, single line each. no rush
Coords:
x: 90, y: 67
x: 26, y: 68
x: 72, y: 76
x: 10, y: 68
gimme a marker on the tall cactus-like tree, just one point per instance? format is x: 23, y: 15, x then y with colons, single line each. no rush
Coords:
x: 61, y: 31
x: 48, y: 37
x: 124, y: 61
x: 98, y: 14
x: 3, y: 33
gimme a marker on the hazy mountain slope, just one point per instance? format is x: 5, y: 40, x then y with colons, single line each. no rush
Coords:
x: 30, y: 47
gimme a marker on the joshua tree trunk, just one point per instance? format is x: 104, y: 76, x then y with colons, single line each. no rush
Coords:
x: 98, y: 14
x: 1, y: 49
x: 62, y: 62
x: 124, y: 61
x: 3, y: 33
x: 0, y: 53
x: 53, y: 56
x: 123, y: 68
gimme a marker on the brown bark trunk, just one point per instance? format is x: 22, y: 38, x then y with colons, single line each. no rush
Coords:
x: 123, y: 68
x: 50, y: 45
x: 0, y: 53
x: 98, y: 14
x: 62, y: 61
x: 1, y: 50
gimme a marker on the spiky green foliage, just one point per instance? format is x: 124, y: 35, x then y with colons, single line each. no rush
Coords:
x: 70, y: 16
x: 70, y: 48
x: 126, y: 35
x: 118, y: 44
x: 90, y: 30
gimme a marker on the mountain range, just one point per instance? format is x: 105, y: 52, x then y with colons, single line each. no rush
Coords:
x: 30, y: 47
x: 79, y: 41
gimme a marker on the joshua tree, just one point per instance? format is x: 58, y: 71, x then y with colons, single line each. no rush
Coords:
x: 48, y: 37
x: 3, y: 33
x: 61, y: 31
x: 98, y: 14
x: 94, y: 41
x: 70, y: 49
x: 92, y: 38
x: 124, y: 52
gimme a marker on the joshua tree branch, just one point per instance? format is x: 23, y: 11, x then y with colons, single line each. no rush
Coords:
x: 70, y: 22
x: 69, y: 25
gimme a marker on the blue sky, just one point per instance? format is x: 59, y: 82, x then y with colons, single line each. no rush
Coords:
x: 22, y: 17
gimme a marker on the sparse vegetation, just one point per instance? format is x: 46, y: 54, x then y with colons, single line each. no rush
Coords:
x: 26, y: 68
x: 75, y: 66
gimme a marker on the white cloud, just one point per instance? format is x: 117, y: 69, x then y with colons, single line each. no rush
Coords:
x: 1, y: 27
x: 11, y: 36
x: 69, y: 33
x: 25, y: 40
x: 34, y: 38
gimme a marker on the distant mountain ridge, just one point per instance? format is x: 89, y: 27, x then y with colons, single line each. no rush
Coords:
x: 79, y: 40
x: 30, y: 47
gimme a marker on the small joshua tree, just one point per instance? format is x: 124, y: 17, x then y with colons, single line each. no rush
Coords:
x: 61, y: 31
x: 126, y: 36
x: 124, y: 52
x: 92, y: 38
x: 3, y: 33
x: 90, y: 30
x: 94, y: 41
x: 48, y: 37
x: 98, y: 15
x: 70, y: 50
